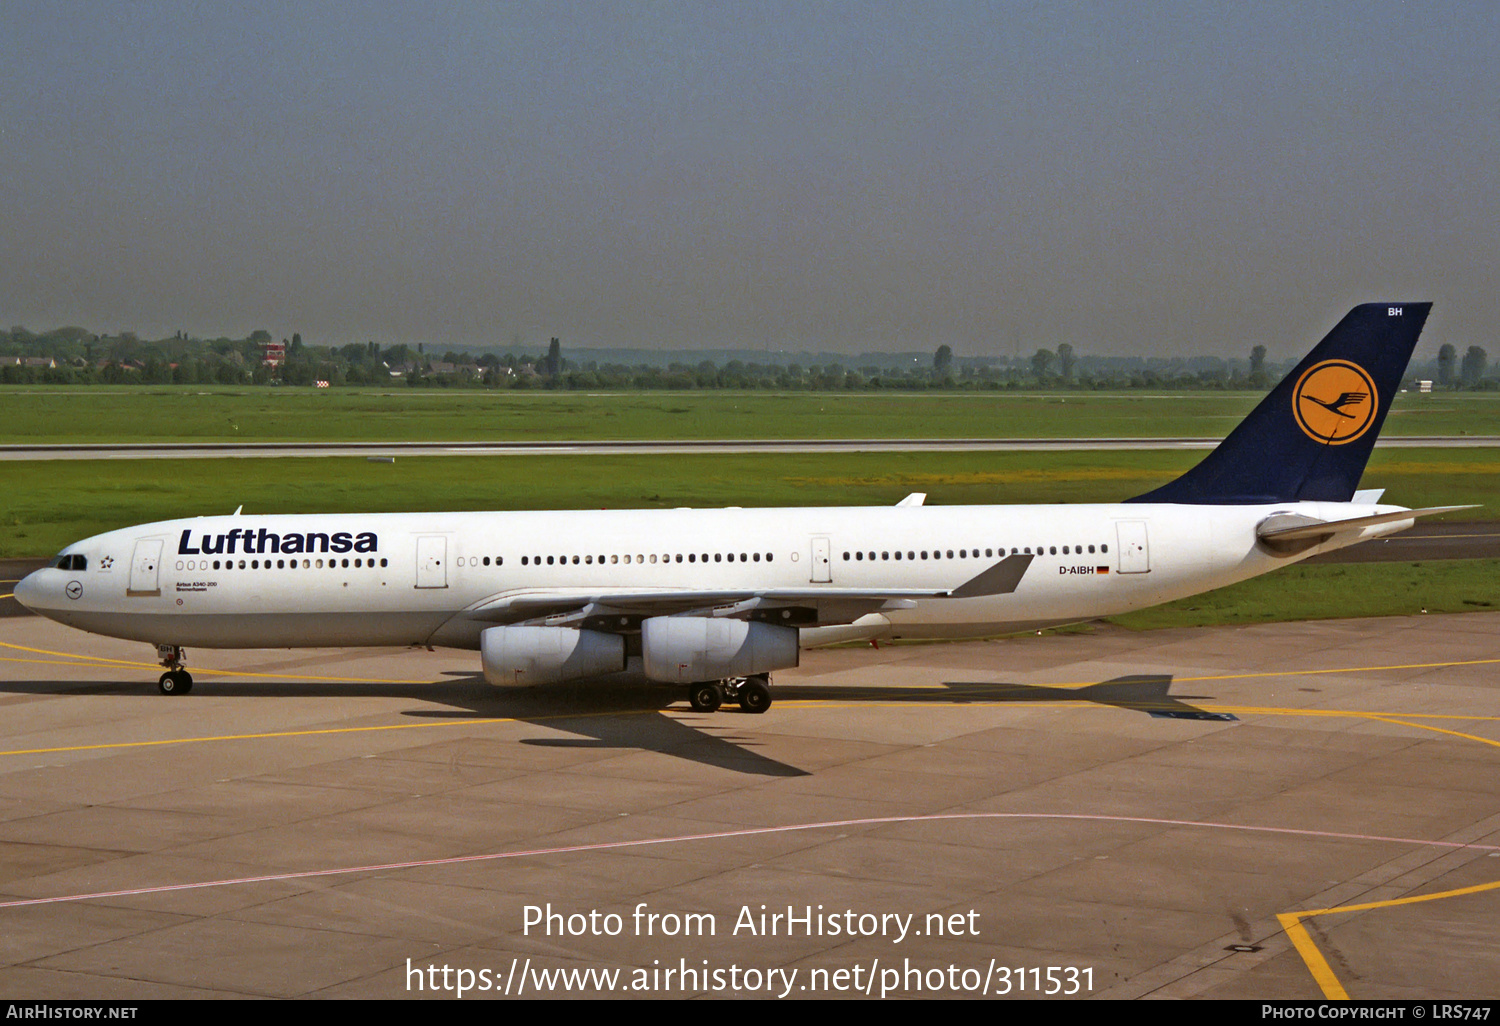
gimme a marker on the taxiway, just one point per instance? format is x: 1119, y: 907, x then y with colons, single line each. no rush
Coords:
x: 1163, y: 811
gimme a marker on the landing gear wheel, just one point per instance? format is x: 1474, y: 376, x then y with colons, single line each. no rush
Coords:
x: 175, y: 682
x: 705, y: 698
x: 755, y: 695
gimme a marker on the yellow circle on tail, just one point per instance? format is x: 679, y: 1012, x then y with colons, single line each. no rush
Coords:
x: 1335, y: 402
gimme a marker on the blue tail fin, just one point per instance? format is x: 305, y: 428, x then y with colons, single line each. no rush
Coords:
x: 1311, y: 437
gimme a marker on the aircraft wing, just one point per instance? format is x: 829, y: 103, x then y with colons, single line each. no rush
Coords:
x: 796, y: 607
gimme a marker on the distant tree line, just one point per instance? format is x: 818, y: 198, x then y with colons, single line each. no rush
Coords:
x: 75, y: 356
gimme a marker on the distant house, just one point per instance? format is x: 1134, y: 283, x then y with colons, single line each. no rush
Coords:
x: 461, y: 369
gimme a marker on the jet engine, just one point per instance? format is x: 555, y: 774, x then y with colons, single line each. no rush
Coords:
x: 521, y: 656
x: 689, y: 649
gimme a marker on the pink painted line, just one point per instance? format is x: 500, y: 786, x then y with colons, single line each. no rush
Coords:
x: 726, y: 834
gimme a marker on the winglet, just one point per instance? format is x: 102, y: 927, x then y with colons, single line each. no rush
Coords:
x: 1000, y: 579
x: 914, y: 499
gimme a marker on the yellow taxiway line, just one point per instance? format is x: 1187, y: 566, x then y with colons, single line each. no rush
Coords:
x: 1332, y: 989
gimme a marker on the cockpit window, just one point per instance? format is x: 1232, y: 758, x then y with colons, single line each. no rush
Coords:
x: 72, y: 561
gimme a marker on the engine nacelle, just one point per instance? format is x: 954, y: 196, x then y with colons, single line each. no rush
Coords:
x: 521, y: 656
x: 688, y: 649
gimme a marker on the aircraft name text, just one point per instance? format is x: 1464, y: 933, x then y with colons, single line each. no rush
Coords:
x: 251, y: 541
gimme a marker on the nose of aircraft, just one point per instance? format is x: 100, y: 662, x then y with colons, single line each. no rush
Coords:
x: 28, y: 589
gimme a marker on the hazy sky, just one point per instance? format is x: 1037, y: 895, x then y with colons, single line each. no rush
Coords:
x: 1155, y: 178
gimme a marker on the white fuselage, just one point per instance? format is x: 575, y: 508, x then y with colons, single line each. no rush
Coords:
x: 417, y: 578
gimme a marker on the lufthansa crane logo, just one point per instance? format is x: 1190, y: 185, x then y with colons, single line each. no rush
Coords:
x: 1335, y: 402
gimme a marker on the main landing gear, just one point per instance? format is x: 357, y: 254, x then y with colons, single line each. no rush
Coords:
x: 752, y: 693
x: 176, y: 681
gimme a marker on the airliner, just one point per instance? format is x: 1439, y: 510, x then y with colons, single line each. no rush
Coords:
x: 716, y: 600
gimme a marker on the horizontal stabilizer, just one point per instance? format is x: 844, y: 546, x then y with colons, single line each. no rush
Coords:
x: 1271, y: 530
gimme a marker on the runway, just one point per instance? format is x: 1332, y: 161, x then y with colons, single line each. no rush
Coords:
x: 1253, y: 812
x: 387, y: 450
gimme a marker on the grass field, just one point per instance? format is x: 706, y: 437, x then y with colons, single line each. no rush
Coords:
x: 195, y: 414
x: 1321, y: 592
x: 44, y: 505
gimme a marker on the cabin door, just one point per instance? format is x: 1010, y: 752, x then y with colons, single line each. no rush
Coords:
x: 432, y: 561
x: 1135, y: 554
x: 144, y: 567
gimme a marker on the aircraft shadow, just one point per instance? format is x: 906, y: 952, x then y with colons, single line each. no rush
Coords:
x: 595, y: 711
x: 627, y: 712
x: 1147, y: 693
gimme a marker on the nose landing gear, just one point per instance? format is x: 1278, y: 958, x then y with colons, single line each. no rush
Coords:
x: 176, y: 681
